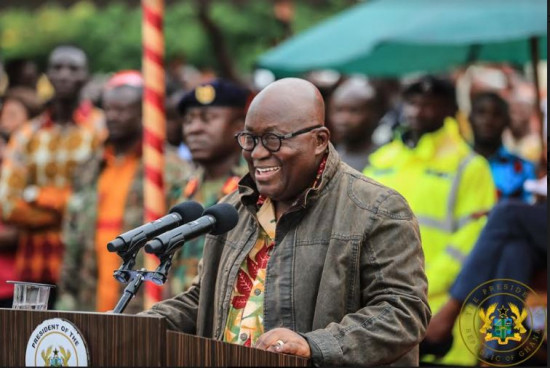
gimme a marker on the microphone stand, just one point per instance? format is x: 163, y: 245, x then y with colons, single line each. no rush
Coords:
x: 160, y: 274
x: 130, y: 290
x: 126, y: 274
x: 136, y: 278
x: 123, y: 274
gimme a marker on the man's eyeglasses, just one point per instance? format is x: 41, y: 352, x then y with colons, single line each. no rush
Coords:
x: 271, y: 141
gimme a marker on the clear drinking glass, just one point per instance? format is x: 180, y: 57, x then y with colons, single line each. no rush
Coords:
x: 30, y: 295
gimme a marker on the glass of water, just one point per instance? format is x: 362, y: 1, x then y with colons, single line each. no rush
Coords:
x: 30, y: 295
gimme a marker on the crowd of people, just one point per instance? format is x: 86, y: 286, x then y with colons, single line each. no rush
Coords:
x: 368, y: 209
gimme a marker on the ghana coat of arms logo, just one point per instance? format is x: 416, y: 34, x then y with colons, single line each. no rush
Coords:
x: 505, y: 326
x: 55, y: 358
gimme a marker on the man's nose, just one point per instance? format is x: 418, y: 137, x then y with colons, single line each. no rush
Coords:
x: 64, y: 73
x: 339, y: 120
x: 194, y: 126
x: 259, y: 151
x: 111, y: 116
x: 412, y: 110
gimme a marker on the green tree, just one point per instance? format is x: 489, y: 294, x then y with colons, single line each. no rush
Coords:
x: 111, y: 35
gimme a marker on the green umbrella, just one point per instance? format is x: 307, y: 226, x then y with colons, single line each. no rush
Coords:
x: 394, y: 37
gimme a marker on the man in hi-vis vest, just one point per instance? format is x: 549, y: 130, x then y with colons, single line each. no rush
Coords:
x: 448, y: 186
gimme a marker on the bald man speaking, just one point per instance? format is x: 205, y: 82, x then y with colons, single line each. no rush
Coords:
x: 324, y: 263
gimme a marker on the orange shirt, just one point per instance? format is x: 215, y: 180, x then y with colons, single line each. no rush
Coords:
x: 113, y: 186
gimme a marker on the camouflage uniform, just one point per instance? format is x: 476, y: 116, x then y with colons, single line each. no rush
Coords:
x: 78, y: 286
x: 207, y: 193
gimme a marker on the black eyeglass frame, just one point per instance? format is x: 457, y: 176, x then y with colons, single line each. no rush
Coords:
x: 257, y: 138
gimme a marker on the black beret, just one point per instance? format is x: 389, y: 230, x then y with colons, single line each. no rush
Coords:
x: 431, y: 85
x: 218, y: 92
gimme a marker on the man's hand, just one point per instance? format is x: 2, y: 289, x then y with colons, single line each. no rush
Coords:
x: 441, y: 324
x: 283, y: 340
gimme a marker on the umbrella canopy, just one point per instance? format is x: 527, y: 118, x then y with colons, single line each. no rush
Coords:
x: 394, y: 37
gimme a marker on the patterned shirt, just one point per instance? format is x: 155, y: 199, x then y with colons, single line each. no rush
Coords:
x: 509, y: 173
x: 245, y: 320
x: 246, y: 313
x: 7, y: 268
x: 44, y: 154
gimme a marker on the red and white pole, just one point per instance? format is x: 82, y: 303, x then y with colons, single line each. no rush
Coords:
x: 154, y: 126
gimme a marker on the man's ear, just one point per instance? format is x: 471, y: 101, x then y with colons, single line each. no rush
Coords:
x: 322, y: 136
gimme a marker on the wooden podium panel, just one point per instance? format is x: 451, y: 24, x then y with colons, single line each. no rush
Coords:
x: 112, y: 339
x: 132, y: 341
x: 191, y: 351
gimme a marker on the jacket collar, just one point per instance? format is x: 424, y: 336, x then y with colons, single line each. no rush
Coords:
x: 249, y: 193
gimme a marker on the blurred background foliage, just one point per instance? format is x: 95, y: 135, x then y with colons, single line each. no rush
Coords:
x: 111, y: 34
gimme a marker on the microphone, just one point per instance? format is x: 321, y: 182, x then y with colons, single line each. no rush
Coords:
x: 216, y: 220
x: 179, y: 214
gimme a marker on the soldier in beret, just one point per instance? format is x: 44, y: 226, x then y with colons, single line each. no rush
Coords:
x: 212, y: 114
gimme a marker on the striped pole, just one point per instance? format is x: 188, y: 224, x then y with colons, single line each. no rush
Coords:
x: 154, y: 126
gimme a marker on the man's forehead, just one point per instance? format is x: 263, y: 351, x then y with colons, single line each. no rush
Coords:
x: 124, y: 94
x: 355, y: 88
x: 257, y: 125
x: 68, y: 56
x: 351, y: 98
x: 211, y: 109
x: 425, y: 98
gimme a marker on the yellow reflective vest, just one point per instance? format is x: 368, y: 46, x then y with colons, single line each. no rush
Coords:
x: 450, y: 189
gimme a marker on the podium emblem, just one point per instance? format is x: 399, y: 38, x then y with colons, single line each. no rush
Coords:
x: 56, y: 342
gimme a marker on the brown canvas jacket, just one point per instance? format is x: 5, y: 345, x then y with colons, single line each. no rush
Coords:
x: 347, y: 272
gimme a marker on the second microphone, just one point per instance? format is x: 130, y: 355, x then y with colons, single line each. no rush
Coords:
x: 216, y: 220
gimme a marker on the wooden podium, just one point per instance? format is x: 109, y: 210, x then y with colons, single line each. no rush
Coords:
x: 128, y: 340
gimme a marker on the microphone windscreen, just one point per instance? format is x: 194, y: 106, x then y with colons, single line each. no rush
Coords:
x: 226, y: 217
x: 189, y: 211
